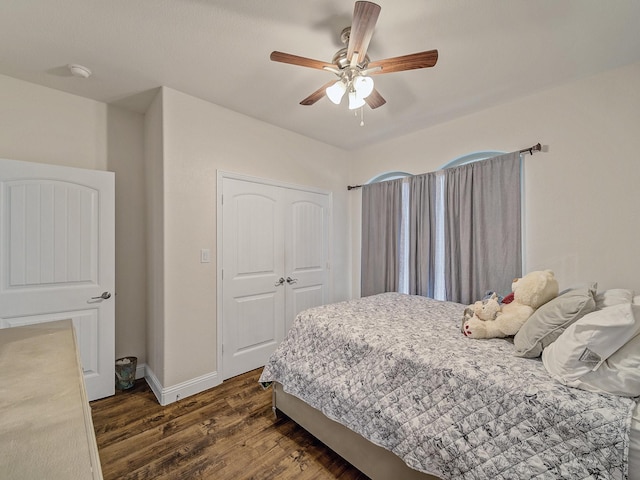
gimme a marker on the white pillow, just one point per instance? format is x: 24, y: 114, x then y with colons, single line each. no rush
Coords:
x: 599, y: 352
x: 613, y: 296
x: 619, y: 374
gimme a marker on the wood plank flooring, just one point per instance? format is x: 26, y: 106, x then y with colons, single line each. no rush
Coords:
x: 227, y: 432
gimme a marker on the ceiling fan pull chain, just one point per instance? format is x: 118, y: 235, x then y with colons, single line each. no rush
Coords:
x: 362, y: 116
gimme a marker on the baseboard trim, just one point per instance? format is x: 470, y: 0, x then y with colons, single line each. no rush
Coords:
x: 182, y: 390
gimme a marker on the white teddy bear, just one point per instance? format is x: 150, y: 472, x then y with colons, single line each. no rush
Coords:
x: 484, y: 310
x: 529, y: 292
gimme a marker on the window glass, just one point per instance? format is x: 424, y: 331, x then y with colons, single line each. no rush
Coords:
x: 389, y: 176
x: 470, y: 158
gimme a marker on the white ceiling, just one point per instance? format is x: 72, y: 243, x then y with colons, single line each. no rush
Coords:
x: 491, y: 51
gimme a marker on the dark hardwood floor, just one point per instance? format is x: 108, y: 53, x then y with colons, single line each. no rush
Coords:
x: 227, y: 432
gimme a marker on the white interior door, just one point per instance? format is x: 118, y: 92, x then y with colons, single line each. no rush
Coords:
x: 253, y: 266
x: 57, y: 258
x: 307, y: 252
x: 275, y: 260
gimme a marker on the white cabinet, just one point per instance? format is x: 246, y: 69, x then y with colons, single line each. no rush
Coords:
x: 46, y: 429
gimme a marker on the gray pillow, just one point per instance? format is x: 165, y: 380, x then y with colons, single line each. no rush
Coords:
x: 551, y: 319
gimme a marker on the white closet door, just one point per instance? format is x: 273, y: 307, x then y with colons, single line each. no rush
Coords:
x: 253, y: 263
x: 275, y: 260
x: 307, y: 252
x: 57, y: 257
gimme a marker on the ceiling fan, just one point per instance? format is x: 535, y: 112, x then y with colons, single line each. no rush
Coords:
x: 352, y: 64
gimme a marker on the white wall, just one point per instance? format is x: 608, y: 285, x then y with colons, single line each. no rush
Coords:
x: 581, y: 197
x: 199, y: 139
x: 125, y: 154
x: 39, y: 124
x: 153, y: 161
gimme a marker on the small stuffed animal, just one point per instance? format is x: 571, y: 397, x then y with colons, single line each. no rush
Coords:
x: 529, y: 292
x: 488, y: 309
x: 483, y: 310
x: 491, y: 294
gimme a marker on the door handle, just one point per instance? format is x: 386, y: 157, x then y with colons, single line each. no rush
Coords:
x: 279, y: 282
x: 291, y: 281
x: 104, y: 296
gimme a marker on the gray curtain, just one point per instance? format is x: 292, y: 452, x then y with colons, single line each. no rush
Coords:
x: 482, y: 227
x: 381, y: 223
x: 422, y: 240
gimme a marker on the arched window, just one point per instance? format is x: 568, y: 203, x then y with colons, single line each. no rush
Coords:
x: 471, y: 157
x: 439, y: 286
x: 403, y: 269
x: 383, y: 177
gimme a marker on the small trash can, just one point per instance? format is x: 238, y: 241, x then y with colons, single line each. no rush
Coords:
x: 126, y: 372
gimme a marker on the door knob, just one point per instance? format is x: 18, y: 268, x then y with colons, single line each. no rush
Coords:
x: 104, y: 296
x: 279, y: 282
x: 291, y: 281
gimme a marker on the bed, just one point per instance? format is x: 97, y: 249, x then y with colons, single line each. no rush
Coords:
x: 391, y: 384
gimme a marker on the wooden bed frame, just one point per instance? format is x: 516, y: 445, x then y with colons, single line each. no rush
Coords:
x: 372, y: 460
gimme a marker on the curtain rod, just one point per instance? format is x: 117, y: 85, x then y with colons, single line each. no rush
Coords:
x: 535, y: 148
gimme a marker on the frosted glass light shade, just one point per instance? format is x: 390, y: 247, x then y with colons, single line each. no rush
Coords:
x: 363, y: 86
x: 336, y: 91
x: 355, y: 101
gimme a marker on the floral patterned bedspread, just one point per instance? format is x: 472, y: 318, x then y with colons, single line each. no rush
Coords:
x: 396, y: 369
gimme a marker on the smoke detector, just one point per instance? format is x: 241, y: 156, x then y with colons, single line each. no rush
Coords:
x: 79, y: 71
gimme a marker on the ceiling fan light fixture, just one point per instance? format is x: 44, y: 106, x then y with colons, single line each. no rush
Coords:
x: 363, y: 86
x: 336, y: 91
x: 352, y: 64
x: 355, y: 101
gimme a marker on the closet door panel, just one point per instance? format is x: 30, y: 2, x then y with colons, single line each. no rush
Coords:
x: 307, y: 252
x: 253, y: 262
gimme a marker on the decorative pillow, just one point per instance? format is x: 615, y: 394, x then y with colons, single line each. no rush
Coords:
x: 600, y: 352
x: 551, y: 319
x: 614, y: 296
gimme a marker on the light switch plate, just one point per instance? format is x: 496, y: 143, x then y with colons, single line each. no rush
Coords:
x: 205, y: 255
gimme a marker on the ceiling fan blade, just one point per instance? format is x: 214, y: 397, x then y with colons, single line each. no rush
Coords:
x: 375, y: 100
x: 365, y: 16
x: 405, y: 62
x: 301, y: 61
x: 318, y: 94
